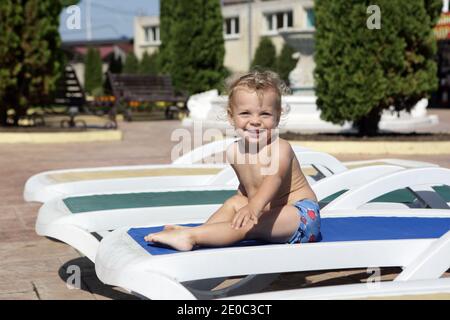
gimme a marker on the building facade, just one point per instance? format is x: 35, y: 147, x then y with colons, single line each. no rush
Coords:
x: 245, y: 22
x: 146, y: 35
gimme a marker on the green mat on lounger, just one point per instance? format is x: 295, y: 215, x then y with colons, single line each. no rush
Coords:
x: 146, y: 199
x: 185, y: 198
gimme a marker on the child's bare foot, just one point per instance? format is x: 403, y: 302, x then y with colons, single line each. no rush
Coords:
x: 177, y: 239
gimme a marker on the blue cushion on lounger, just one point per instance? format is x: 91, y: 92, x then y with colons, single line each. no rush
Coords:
x: 339, y: 229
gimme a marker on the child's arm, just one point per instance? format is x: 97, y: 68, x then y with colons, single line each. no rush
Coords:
x: 269, y: 187
x: 231, y: 158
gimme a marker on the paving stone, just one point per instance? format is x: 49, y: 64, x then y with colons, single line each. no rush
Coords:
x: 40, y: 249
x: 11, y: 285
x: 7, y: 211
x: 9, y: 236
x: 28, y: 295
x: 51, y: 290
x: 31, y: 270
x: 27, y: 219
x: 10, y: 224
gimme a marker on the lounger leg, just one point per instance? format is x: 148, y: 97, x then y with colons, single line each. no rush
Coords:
x: 74, y: 236
x: 431, y: 263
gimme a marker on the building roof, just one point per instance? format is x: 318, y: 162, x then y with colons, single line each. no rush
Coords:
x: 105, y: 47
x: 104, y: 50
x: 229, y: 2
x: 94, y: 43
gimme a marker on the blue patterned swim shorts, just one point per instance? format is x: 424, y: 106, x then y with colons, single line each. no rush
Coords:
x: 309, y: 227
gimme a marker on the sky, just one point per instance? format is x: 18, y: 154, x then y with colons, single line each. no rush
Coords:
x: 110, y: 19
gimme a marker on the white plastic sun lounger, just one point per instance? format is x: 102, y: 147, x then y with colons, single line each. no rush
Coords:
x: 122, y: 261
x: 184, y: 171
x: 80, y: 221
x: 418, y: 240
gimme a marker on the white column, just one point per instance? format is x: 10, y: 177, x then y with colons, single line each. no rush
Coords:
x: 250, y: 33
x: 445, y: 6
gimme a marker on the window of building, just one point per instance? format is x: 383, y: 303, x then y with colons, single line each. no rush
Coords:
x: 279, y: 20
x: 310, y: 18
x: 231, y: 26
x: 151, y: 34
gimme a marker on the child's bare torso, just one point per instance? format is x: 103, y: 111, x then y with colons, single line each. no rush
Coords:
x: 293, y: 187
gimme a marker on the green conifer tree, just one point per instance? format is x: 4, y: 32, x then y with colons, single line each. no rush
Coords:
x: 148, y: 64
x: 265, y: 55
x: 196, y: 45
x: 131, y: 64
x: 93, y: 76
x: 361, y: 71
x: 166, y: 23
x: 285, y: 62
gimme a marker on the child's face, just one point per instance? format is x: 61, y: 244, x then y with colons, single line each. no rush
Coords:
x: 254, y: 116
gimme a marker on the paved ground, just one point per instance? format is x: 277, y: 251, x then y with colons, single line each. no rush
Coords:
x: 33, y: 267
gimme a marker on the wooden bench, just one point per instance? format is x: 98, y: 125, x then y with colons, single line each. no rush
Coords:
x: 146, y: 88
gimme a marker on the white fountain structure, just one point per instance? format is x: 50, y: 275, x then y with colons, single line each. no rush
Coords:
x: 209, y: 108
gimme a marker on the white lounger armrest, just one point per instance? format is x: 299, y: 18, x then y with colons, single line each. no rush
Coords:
x: 351, y: 178
x: 355, y: 198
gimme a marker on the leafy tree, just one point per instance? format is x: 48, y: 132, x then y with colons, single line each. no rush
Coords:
x: 285, y: 63
x: 265, y: 55
x: 93, y: 71
x: 148, y: 64
x: 362, y: 71
x: 166, y: 21
x: 131, y: 64
x: 30, y: 56
x: 194, y: 44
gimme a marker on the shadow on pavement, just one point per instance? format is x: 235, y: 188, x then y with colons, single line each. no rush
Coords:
x: 88, y: 281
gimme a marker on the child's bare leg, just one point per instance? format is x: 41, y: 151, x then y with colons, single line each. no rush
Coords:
x: 225, y: 213
x: 275, y: 225
x: 211, y: 234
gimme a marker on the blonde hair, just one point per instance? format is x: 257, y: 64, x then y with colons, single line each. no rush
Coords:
x: 259, y: 81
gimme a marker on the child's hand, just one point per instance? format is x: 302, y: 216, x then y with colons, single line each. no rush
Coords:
x: 243, y: 216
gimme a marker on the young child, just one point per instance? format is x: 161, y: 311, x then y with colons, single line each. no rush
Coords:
x: 274, y: 201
